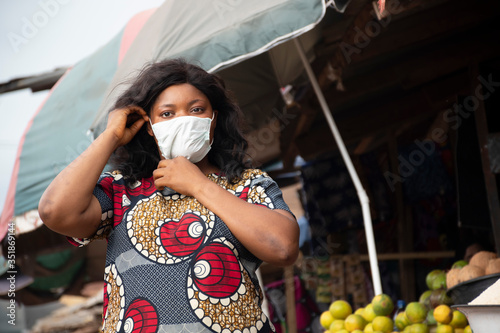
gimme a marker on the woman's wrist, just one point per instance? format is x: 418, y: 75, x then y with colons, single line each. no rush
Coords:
x: 109, y: 138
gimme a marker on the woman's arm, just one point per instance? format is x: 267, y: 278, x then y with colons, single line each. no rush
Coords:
x: 271, y: 235
x: 68, y: 206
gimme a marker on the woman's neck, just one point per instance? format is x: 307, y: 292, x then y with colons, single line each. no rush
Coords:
x: 206, y: 167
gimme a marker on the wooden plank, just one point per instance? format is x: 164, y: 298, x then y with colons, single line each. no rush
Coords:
x: 482, y: 136
x: 410, y: 255
x: 404, y: 255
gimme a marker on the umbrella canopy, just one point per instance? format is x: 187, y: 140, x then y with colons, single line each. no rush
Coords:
x: 223, y: 34
x: 215, y: 34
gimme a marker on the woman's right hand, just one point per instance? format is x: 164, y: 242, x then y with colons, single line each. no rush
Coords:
x: 124, y: 123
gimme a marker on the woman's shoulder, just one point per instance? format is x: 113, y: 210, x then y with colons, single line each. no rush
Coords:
x: 114, y: 176
x: 118, y: 178
x: 250, y: 174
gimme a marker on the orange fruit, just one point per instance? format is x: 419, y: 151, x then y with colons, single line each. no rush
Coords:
x: 340, y: 309
x: 467, y: 329
x: 419, y: 328
x: 326, y: 319
x: 337, y: 325
x: 343, y: 331
x: 357, y: 331
x: 443, y: 314
x: 443, y: 328
x: 401, y: 321
x: 459, y: 320
x: 416, y: 312
x: 382, y: 305
x: 368, y: 313
x: 354, y: 322
x: 383, y: 324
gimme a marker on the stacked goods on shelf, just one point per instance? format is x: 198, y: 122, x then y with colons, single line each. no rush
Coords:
x: 481, y: 264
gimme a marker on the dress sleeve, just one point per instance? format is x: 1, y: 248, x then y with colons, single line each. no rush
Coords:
x: 265, y: 192
x: 104, y: 194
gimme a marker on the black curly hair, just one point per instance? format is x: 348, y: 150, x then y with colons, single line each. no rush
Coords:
x: 140, y: 157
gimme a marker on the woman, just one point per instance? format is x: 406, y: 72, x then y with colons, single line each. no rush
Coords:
x: 187, y: 223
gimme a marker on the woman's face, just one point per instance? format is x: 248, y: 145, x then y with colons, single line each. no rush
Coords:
x: 179, y: 101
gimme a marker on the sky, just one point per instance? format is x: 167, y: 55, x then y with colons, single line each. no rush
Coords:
x: 37, y: 36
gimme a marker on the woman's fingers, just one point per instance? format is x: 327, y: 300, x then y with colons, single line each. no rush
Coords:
x: 126, y: 122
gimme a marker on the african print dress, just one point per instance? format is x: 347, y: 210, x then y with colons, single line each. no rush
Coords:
x: 172, y: 265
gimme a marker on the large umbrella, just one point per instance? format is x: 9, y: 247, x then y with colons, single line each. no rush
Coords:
x: 254, y: 45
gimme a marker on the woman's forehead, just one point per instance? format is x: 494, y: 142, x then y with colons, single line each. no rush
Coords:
x: 181, y: 93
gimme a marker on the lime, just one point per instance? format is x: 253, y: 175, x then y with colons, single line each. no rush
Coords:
x: 416, y: 312
x: 382, y: 305
x: 401, y: 321
x: 383, y: 324
x: 369, y: 313
x: 438, y: 275
x: 459, y: 320
x: 443, y: 328
x: 425, y: 298
x: 459, y: 264
x: 359, y: 311
x: 430, y: 320
x: 419, y: 328
x: 336, y: 325
x: 354, y: 322
x: 326, y: 319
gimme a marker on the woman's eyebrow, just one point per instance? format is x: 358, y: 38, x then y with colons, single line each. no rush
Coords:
x: 189, y: 103
x: 167, y: 106
x: 195, y: 101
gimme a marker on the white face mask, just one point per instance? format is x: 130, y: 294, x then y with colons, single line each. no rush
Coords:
x: 187, y: 136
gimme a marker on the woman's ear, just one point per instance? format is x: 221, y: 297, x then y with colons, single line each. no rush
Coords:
x: 150, y: 128
x: 215, y: 116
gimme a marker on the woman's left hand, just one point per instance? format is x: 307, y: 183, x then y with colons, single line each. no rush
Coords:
x: 180, y: 175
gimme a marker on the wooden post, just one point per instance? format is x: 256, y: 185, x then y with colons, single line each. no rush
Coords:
x: 291, y: 318
x: 477, y: 94
x: 405, y: 231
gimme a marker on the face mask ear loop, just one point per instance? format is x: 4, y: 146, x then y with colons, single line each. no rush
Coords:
x: 151, y: 126
x: 212, y: 119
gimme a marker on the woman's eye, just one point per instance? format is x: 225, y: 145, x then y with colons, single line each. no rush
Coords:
x: 197, y: 109
x: 166, y: 114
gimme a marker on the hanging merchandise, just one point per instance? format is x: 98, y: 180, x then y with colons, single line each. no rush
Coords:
x: 332, y: 204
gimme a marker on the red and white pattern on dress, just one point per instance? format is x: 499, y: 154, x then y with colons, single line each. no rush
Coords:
x: 139, y: 316
x: 220, y: 291
x: 256, y: 196
x: 114, y: 300
x: 174, y: 229
x: 168, y: 240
